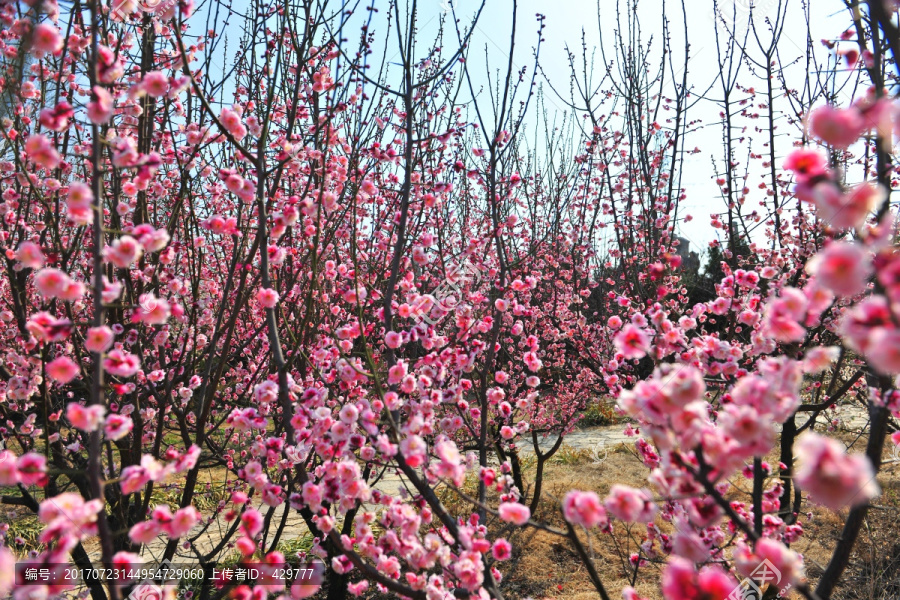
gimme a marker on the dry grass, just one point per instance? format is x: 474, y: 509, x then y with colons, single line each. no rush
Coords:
x: 546, y: 566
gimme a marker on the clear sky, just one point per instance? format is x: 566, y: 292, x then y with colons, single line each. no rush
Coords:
x: 567, y: 20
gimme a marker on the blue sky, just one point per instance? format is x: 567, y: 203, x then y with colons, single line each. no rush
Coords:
x: 567, y: 20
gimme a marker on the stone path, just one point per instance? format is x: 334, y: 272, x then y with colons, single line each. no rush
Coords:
x: 589, y: 438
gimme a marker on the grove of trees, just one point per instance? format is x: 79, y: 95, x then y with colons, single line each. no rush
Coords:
x: 259, y: 257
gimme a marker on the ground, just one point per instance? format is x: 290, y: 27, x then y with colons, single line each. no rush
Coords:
x: 546, y: 566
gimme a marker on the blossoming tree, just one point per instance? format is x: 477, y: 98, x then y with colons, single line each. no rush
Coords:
x: 305, y: 277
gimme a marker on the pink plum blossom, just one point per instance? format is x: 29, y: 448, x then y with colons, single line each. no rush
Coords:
x: 501, y: 550
x: 630, y: 504
x: 62, y: 369
x: 41, y: 150
x: 117, y: 427
x: 681, y: 581
x: 632, y: 342
x: 584, y: 508
x: 46, y: 38
x: 100, y: 110
x: 79, y: 208
x: 124, y: 252
x: 85, y: 418
x: 121, y: 363
x: 836, y: 126
x: 99, y: 339
x: 266, y: 297
x: 153, y: 310
x: 842, y: 267
x: 515, y: 513
x: 832, y: 477
x: 29, y: 255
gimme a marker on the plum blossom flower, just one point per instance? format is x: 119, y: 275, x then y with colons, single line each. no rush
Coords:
x: 101, y: 108
x: 469, y: 570
x: 41, y: 150
x: 850, y: 209
x: 630, y: 504
x: 231, y: 121
x: 126, y: 560
x: 47, y: 328
x: 251, y: 522
x: 153, y: 310
x: 112, y: 290
x: 842, y: 267
x: 682, y: 581
x: 121, y: 363
x: 69, y: 514
x: 807, y: 163
x: 632, y: 342
x: 356, y: 589
x: 181, y: 522
x: 62, y: 369
x: 267, y: 297
x: 85, y: 418
x: 46, y: 38
x: 32, y: 468
x: 665, y: 395
x: 117, y: 427
x: 755, y: 436
x: 819, y: 358
x: 221, y: 225
x: 860, y: 321
x: 145, y: 532
x: 629, y: 593
x: 532, y: 362
x: 782, y: 558
x: 133, y: 478
x: 7, y: 571
x: 109, y: 65
x: 584, y: 508
x: 151, y: 239
x: 79, y: 204
x: 393, y: 340
x: 9, y: 473
x: 839, y: 127
x: 155, y: 84
x: 397, y: 373
x: 832, y: 477
x: 266, y: 392
x: 450, y: 463
x: 29, y: 255
x: 501, y: 549
x: 513, y: 512
x: 99, y: 339
x: 124, y: 252
x: 783, y: 316
x: 884, y: 355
